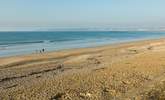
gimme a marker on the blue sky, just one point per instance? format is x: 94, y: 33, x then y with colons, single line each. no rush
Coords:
x: 82, y: 13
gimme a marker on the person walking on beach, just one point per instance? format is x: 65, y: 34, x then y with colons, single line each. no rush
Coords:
x: 40, y: 51
x: 43, y: 50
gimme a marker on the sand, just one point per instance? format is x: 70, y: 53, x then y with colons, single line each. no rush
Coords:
x: 127, y: 71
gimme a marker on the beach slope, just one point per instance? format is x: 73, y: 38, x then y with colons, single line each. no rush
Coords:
x: 128, y: 71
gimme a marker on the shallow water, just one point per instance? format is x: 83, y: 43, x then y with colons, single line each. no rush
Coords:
x: 17, y: 43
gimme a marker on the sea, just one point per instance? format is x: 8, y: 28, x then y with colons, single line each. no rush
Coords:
x: 21, y: 43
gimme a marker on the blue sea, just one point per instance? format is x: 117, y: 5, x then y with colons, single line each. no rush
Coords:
x: 18, y: 43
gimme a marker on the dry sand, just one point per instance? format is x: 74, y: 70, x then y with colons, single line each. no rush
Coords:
x: 128, y: 71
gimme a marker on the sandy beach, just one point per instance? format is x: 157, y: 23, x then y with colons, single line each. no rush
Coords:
x: 127, y: 71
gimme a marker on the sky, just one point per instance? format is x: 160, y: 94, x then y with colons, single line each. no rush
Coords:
x: 82, y: 13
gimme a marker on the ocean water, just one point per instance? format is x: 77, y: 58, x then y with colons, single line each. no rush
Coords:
x: 18, y: 43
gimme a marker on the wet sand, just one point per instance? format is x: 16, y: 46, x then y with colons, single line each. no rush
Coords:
x: 127, y: 71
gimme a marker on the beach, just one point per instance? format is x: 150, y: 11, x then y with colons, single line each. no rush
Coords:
x: 123, y: 71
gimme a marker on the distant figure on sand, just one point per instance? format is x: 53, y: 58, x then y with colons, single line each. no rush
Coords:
x: 40, y: 51
x: 43, y: 50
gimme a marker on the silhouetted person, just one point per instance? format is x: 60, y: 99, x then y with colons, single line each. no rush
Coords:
x: 43, y: 50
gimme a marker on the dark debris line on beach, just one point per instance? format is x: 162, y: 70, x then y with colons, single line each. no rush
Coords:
x: 58, y: 67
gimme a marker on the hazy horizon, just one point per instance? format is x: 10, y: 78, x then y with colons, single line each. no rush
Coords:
x: 8, y: 29
x: 113, y: 14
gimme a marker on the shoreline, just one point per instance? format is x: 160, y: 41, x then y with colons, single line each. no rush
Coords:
x: 72, y: 48
x: 124, y: 70
x: 98, y: 46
